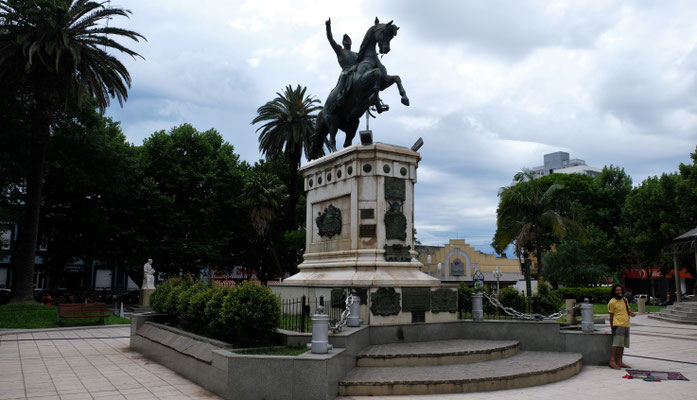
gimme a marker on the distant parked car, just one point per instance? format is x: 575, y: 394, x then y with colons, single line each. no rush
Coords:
x: 5, y: 295
x: 649, y: 299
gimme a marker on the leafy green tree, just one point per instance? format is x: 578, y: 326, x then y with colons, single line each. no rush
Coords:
x: 575, y: 263
x: 287, y: 125
x: 87, y: 208
x: 263, y: 195
x: 54, y: 51
x: 189, y: 201
x: 651, y: 218
x: 531, y: 215
x: 686, y: 192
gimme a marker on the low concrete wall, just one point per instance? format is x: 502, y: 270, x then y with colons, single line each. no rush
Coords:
x: 316, y: 376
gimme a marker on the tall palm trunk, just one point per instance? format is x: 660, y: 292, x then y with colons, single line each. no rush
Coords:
x: 25, y: 255
x: 538, y: 251
x: 293, y: 190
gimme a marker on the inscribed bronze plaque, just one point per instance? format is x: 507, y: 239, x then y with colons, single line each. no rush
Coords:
x: 444, y: 300
x: 367, y: 213
x: 367, y: 230
x: 416, y: 299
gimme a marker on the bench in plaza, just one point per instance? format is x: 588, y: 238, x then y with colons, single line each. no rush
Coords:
x: 90, y: 310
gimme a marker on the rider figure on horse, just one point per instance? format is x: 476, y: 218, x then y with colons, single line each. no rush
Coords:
x: 348, y: 60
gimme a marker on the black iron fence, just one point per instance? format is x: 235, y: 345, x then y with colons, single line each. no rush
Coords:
x: 296, y: 314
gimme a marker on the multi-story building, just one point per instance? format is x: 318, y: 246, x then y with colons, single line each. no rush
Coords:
x: 559, y: 163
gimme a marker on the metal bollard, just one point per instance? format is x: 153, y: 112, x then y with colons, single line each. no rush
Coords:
x: 320, y: 332
x: 354, y: 318
x: 477, y: 307
x: 570, y: 314
x: 587, y: 317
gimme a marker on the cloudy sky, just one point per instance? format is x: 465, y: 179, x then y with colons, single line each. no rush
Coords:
x: 494, y: 85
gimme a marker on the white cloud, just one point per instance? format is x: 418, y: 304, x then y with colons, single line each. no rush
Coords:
x: 493, y: 85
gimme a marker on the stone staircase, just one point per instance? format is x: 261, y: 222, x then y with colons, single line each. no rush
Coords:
x: 453, y: 366
x: 682, y: 313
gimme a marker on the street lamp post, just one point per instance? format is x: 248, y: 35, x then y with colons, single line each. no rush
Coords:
x: 498, y: 274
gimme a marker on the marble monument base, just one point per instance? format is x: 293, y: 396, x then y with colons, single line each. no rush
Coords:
x: 145, y: 297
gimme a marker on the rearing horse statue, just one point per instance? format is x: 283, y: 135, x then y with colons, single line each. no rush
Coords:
x: 345, y: 105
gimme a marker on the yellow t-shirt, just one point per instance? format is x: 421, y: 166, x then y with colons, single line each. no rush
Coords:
x: 619, y: 308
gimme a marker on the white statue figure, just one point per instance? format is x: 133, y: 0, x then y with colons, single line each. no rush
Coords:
x: 148, y: 275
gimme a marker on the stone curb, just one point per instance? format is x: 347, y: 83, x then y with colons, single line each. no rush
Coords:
x: 63, y: 328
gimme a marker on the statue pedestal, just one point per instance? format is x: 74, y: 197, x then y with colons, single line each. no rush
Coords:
x: 360, y: 224
x: 145, y: 297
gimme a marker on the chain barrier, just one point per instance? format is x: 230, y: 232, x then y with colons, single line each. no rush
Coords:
x: 344, y: 315
x: 530, y: 317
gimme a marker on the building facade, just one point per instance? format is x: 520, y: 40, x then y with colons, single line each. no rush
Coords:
x: 459, y: 262
x: 560, y: 163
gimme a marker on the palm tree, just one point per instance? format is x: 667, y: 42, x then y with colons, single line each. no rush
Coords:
x: 263, y: 195
x: 287, y: 129
x: 528, y: 213
x: 55, y: 52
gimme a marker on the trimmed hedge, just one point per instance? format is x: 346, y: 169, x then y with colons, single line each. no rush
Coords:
x: 599, y: 294
x: 246, y: 314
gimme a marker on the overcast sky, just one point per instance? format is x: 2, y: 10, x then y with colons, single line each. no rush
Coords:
x: 494, y: 85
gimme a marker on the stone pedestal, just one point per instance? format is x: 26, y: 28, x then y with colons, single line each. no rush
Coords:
x: 359, y: 230
x: 145, y: 297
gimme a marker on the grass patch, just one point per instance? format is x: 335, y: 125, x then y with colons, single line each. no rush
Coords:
x: 601, y: 308
x: 274, y: 351
x: 35, y: 316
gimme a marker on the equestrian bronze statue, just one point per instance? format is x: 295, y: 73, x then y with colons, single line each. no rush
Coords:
x: 362, y: 78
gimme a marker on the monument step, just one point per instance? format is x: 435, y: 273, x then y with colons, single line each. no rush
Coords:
x: 680, y: 313
x: 440, y: 352
x: 527, y: 368
x: 683, y: 306
x: 669, y: 318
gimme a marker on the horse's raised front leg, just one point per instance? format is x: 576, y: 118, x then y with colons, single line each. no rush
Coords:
x: 389, y: 80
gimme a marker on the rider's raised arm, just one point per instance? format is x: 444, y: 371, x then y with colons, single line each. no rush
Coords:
x: 332, y: 42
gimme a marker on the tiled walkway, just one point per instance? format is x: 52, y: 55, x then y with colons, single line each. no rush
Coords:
x: 85, y: 364
x: 98, y: 364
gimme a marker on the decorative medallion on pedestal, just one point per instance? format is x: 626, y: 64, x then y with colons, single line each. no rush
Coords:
x: 385, y: 302
x: 329, y: 222
x: 395, y: 222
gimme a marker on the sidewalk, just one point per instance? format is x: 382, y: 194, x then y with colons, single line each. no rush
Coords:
x: 91, y: 363
x: 655, y: 345
x: 96, y: 363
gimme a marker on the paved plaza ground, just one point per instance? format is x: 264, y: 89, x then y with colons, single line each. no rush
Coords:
x: 97, y: 363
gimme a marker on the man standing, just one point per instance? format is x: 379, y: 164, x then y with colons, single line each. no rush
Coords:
x: 619, y: 324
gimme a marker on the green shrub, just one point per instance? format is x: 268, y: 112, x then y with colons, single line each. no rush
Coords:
x: 196, y: 311
x: 464, y: 297
x: 214, y: 323
x: 510, y: 297
x: 247, y: 314
x: 489, y: 309
x: 171, y: 302
x: 547, y: 301
x: 186, y: 318
x: 159, y: 297
x: 597, y: 294
x: 251, y: 313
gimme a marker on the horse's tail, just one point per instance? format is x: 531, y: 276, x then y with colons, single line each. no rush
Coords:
x: 321, y: 131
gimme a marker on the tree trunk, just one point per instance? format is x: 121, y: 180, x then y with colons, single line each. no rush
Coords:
x: 538, y: 253
x: 293, y: 164
x: 24, y: 258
